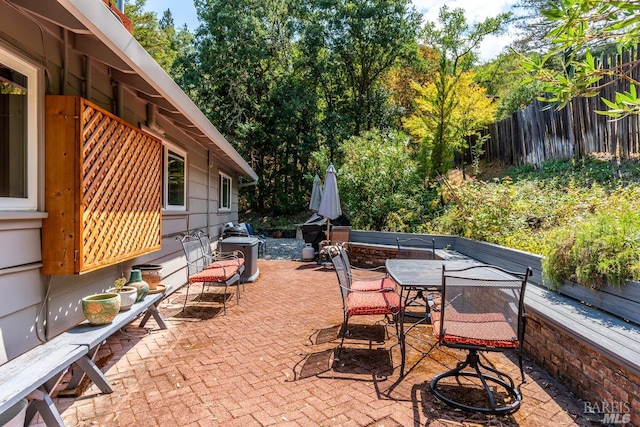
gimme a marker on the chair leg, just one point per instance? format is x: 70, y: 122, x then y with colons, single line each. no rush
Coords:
x: 186, y: 297
x: 224, y: 300
x: 521, y: 367
x: 345, y: 323
x: 473, y: 361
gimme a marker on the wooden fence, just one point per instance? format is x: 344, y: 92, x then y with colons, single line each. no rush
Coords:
x: 540, y: 133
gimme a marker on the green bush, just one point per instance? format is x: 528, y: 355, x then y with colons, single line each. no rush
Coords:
x: 379, y: 183
x: 584, y: 224
x: 602, y: 250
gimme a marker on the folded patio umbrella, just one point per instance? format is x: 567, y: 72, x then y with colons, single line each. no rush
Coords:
x: 330, y: 201
x: 316, y: 194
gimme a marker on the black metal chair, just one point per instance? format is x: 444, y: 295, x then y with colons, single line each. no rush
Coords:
x: 416, y: 248
x: 482, y: 310
x: 381, y: 301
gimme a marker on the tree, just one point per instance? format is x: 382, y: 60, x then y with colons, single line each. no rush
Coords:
x: 248, y: 83
x: 401, y: 78
x: 504, y: 82
x: 455, y: 41
x: 159, y: 37
x: 581, y: 28
x: 379, y: 184
x: 349, y: 46
x: 532, y: 26
x: 472, y: 110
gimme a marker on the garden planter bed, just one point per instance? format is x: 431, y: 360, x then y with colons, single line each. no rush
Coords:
x: 623, y: 301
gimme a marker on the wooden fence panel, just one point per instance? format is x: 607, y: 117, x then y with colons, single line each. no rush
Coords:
x: 539, y: 133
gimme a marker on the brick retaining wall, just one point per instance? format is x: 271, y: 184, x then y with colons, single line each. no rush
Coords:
x: 370, y: 255
x: 592, y: 377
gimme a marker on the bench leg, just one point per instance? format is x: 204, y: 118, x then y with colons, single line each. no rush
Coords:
x: 153, y: 311
x: 43, y: 403
x: 91, y: 369
x: 78, y: 374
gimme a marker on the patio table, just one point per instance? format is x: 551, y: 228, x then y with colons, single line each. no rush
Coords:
x: 418, y: 275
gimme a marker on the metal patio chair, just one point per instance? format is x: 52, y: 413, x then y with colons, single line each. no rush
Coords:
x: 366, y: 279
x: 385, y: 302
x: 417, y: 248
x: 482, y: 311
x: 200, y: 269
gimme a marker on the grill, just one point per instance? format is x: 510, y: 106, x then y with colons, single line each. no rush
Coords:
x: 231, y: 230
x: 313, y: 230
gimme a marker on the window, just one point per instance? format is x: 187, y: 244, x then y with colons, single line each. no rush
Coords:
x: 174, y: 178
x: 18, y: 133
x: 225, y: 192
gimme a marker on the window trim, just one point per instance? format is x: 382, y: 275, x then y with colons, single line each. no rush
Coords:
x: 166, y: 147
x: 33, y: 74
x: 221, y: 208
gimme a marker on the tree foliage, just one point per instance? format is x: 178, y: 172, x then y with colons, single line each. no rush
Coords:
x: 435, y: 125
x: 160, y: 38
x: 247, y: 81
x: 580, y: 29
x: 379, y: 184
x: 349, y: 47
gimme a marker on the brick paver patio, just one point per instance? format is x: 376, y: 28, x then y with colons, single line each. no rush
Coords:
x: 269, y: 362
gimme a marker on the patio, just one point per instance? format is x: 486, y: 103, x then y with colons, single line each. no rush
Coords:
x: 267, y: 362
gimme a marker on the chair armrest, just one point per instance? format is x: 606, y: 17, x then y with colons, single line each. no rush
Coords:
x: 368, y: 291
x: 368, y: 276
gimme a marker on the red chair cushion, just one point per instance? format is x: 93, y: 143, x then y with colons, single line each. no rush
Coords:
x: 216, y: 274
x: 363, y: 303
x: 481, y: 329
x: 386, y: 283
x: 231, y: 262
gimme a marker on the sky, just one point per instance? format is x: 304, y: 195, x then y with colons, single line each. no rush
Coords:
x: 184, y: 12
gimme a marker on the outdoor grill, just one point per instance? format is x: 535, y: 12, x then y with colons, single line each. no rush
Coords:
x: 234, y: 230
x: 314, y: 229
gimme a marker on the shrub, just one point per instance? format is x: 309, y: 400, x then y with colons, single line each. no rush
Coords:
x: 603, y: 250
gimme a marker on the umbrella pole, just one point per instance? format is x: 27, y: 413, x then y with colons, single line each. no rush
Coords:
x: 328, y: 230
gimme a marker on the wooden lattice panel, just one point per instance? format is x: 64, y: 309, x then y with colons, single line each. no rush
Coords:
x: 121, y: 183
x: 109, y: 208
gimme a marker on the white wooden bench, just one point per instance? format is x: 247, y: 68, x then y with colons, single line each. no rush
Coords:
x: 36, y: 373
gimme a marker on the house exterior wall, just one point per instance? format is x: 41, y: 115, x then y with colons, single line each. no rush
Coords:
x: 22, y: 309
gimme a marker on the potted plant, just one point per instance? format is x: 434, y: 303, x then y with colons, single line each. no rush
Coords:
x: 128, y: 294
x: 101, y: 309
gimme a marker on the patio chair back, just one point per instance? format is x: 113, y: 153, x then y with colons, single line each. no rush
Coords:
x: 193, y: 253
x: 343, y: 278
x: 416, y: 248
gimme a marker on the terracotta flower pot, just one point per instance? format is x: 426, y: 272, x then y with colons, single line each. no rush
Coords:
x: 101, y: 309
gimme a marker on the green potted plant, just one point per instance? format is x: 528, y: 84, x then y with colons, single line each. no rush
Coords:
x: 101, y: 309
